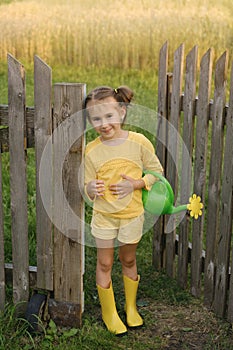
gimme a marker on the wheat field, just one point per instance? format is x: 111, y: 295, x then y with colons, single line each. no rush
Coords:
x: 118, y: 33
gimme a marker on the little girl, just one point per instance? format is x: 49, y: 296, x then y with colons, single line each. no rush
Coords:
x: 114, y: 164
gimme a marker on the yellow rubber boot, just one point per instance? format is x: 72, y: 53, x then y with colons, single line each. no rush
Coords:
x: 109, y: 312
x: 132, y: 315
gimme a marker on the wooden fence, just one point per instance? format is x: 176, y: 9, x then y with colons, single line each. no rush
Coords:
x: 206, y: 127
x: 60, y: 258
x: 203, y: 246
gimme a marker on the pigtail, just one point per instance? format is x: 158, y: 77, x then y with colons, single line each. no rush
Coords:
x: 124, y: 94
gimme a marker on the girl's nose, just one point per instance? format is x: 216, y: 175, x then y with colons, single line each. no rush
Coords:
x: 104, y: 122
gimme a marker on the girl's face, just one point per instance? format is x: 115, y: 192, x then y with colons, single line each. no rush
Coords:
x: 106, y: 116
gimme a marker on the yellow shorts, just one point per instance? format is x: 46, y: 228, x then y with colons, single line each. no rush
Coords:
x: 127, y: 231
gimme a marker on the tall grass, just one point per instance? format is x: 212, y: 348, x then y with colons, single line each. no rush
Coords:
x: 117, y: 33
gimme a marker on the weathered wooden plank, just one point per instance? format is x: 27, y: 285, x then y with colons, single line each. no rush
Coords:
x: 158, y: 229
x: 43, y: 130
x: 172, y: 154
x: 190, y: 252
x: 4, y: 133
x: 230, y: 298
x: 64, y: 313
x: 200, y: 178
x: 2, y: 256
x: 186, y: 169
x: 162, y: 104
x: 68, y: 244
x: 4, y: 115
x: 225, y: 227
x: 215, y: 165
x: 30, y: 127
x: 202, y: 122
x: 29, y: 116
x: 9, y: 275
x: 18, y: 180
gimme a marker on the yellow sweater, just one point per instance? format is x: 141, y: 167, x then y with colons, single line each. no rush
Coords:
x: 107, y: 163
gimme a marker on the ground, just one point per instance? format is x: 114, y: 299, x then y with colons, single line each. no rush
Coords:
x: 173, y: 319
x: 186, y: 327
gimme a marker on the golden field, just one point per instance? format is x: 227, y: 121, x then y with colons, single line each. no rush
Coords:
x: 118, y: 33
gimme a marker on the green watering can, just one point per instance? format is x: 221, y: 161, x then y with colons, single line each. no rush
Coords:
x: 159, y: 200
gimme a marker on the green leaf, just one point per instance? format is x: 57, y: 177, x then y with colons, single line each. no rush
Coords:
x: 49, y: 337
x: 52, y: 327
x: 187, y: 329
x: 70, y: 333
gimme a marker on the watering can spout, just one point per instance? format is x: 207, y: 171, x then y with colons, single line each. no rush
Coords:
x: 180, y: 208
x: 159, y: 200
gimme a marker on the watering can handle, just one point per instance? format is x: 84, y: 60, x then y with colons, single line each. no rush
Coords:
x: 163, y: 179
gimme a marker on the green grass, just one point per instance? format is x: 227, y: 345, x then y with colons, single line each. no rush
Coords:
x: 143, y: 82
x: 170, y: 314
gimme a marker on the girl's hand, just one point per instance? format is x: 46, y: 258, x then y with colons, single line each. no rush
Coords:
x: 95, y: 188
x: 127, y: 186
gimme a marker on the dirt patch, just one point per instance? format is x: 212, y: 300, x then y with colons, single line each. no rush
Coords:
x: 186, y: 327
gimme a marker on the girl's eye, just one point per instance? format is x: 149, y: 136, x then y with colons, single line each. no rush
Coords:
x: 95, y: 120
x: 109, y: 116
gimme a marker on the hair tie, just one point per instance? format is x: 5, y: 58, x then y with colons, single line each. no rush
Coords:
x: 116, y: 91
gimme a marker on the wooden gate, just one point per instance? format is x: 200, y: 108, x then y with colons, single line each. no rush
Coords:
x: 202, y: 246
x: 60, y: 257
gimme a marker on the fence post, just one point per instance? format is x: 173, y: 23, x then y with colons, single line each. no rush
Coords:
x: 18, y: 180
x: 215, y: 168
x: 69, y: 248
x: 2, y: 256
x: 43, y: 130
x: 159, y: 237
x: 186, y: 172
x: 229, y: 158
x: 225, y: 225
x: 203, y: 115
x: 203, y: 110
x: 172, y: 154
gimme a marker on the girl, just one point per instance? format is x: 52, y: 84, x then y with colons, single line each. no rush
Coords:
x: 114, y: 164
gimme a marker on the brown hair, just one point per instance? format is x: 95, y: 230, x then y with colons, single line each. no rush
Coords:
x: 122, y: 94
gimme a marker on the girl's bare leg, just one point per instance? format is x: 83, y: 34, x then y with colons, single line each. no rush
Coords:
x: 127, y: 256
x: 105, y: 258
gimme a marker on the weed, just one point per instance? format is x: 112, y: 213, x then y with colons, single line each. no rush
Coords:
x: 13, y: 330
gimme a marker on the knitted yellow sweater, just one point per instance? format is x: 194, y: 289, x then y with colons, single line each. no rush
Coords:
x: 107, y: 163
